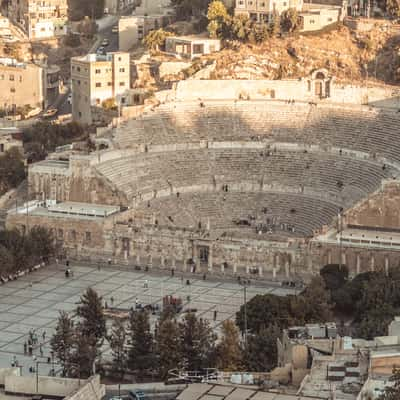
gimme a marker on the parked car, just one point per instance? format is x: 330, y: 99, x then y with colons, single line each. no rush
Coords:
x: 69, y: 98
x: 115, y: 29
x: 137, y: 395
x: 101, y: 50
x: 105, y: 42
x: 51, y: 112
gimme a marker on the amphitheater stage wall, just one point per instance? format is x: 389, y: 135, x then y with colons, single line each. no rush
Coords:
x: 301, y: 90
x: 148, y: 245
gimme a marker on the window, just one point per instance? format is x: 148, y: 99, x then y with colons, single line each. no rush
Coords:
x: 12, y: 90
x: 78, y: 69
x: 11, y: 77
x: 98, y: 84
x: 122, y: 84
x: 60, y: 233
x: 122, y: 70
x: 80, y: 114
x: 1, y: 147
x: 88, y: 236
x: 20, y: 78
x: 330, y: 19
x: 109, y: 83
x: 98, y: 71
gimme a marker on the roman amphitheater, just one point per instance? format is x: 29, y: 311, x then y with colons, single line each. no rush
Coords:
x: 234, y: 179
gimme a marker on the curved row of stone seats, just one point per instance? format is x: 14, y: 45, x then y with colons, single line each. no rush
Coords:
x: 279, y: 213
x: 370, y: 130
x: 340, y: 176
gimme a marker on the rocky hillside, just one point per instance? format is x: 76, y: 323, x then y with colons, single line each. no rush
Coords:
x: 347, y: 54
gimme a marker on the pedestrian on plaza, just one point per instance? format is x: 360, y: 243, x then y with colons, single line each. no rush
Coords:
x: 172, y: 272
x: 41, y: 349
x: 204, y: 277
x: 215, y: 315
x: 105, y: 305
x: 67, y: 263
x: 146, y: 284
x: 30, y: 349
x: 112, y: 301
x: 25, y: 347
x: 44, y: 335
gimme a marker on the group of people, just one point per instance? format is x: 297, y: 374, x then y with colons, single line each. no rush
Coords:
x: 33, y: 340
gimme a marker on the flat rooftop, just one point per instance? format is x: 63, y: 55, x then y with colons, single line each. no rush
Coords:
x: 192, y: 38
x: 50, y: 165
x: 82, y: 211
x: 86, y: 209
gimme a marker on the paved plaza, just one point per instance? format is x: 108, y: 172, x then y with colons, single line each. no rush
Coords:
x: 33, y: 302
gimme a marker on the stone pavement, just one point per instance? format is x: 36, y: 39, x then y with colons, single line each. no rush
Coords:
x: 33, y: 302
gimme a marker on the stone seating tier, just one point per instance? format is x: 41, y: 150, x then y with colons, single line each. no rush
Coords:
x: 342, y: 177
x: 355, y: 128
x: 264, y: 214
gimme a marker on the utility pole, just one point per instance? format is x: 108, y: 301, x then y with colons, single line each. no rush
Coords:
x: 245, y: 316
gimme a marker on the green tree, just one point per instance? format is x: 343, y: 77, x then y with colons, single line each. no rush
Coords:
x: 79, y: 9
x: 392, y: 392
x: 84, y: 354
x: 261, y: 352
x: 42, y: 243
x: 290, y: 20
x: 185, y: 9
x: 91, y: 312
x: 229, y: 355
x: 155, y: 40
x: 62, y: 342
x: 117, y: 342
x: 218, y: 17
x: 393, y: 8
x: 43, y: 137
x: 12, y: 169
x: 262, y: 310
x: 197, y: 342
x: 275, y: 24
x: 168, y: 347
x: 140, y: 355
x: 241, y: 28
x: 7, y: 263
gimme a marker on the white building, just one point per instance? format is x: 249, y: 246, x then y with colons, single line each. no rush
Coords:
x: 96, y: 78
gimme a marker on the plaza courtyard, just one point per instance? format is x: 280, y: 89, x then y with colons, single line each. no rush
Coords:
x: 33, y: 303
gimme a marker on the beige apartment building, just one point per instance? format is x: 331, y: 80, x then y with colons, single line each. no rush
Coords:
x: 22, y: 84
x: 40, y: 18
x: 263, y: 10
x: 96, y: 78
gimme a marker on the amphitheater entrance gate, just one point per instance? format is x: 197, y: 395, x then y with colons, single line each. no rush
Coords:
x: 204, y: 253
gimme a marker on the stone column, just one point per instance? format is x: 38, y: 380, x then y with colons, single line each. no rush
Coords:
x: 343, y: 258
x: 274, y: 272
x: 235, y: 267
x: 329, y: 257
x: 150, y: 260
x: 210, y: 259
x: 184, y: 264
x: 372, y: 263
x: 287, y: 269
x: 358, y: 263
x: 277, y: 261
x: 162, y: 260
x: 137, y: 259
x: 260, y: 270
x: 387, y: 266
